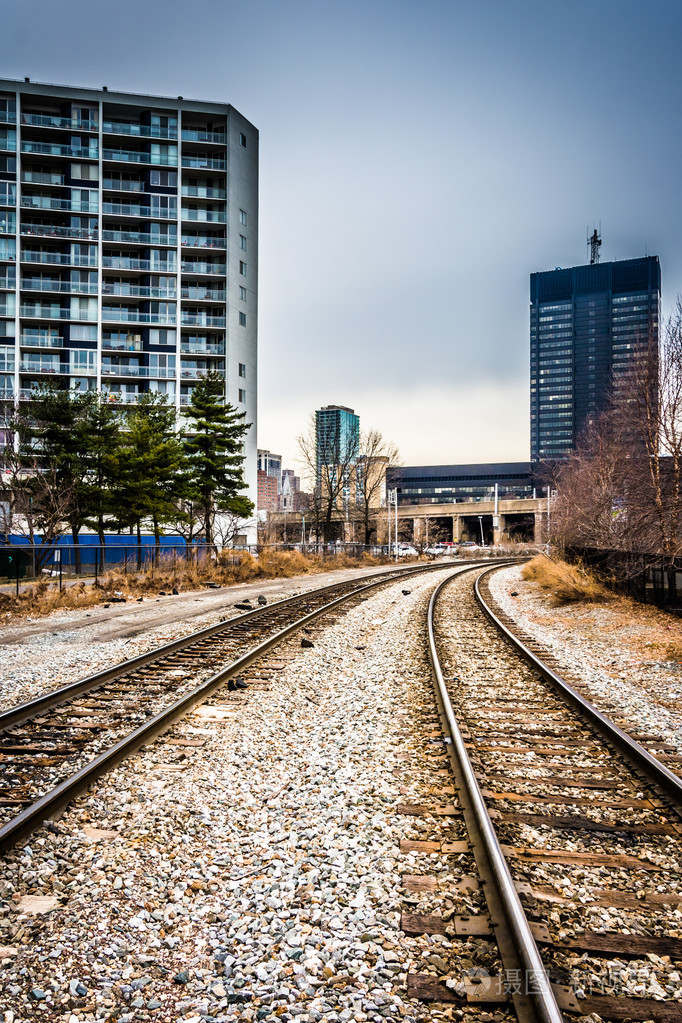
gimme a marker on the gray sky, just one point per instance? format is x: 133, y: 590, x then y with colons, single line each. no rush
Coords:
x: 418, y: 161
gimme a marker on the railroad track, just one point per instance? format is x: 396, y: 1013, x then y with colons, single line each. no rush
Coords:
x: 574, y: 836
x: 53, y: 747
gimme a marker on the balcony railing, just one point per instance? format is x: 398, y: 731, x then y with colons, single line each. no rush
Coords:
x: 60, y: 368
x: 205, y: 216
x: 128, y: 263
x: 8, y: 116
x: 41, y: 340
x: 135, y: 291
x: 204, y: 268
x: 6, y: 393
x: 54, y: 149
x: 197, y: 374
x: 57, y: 258
x: 123, y: 397
x: 141, y: 237
x: 197, y: 320
x: 53, y: 121
x: 43, y: 284
x: 204, y: 192
x: 202, y: 135
x: 8, y: 194
x: 8, y: 283
x: 48, y: 202
x: 203, y: 294
x: 57, y: 231
x: 114, y: 345
x: 133, y: 316
x: 202, y: 162
x: 119, y: 185
x: 144, y: 372
x: 123, y: 209
x: 42, y: 178
x: 50, y: 312
x: 139, y: 130
x: 137, y: 156
x: 203, y: 241
x: 198, y: 349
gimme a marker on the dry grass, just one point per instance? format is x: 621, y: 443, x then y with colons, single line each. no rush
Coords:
x: 564, y: 583
x: 172, y: 574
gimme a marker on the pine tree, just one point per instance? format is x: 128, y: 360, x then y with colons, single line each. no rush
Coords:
x: 214, y: 453
x: 148, y: 468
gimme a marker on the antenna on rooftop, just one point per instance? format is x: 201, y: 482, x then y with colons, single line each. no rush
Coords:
x: 594, y: 242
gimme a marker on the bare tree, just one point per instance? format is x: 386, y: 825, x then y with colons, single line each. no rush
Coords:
x: 622, y: 487
x: 376, y: 454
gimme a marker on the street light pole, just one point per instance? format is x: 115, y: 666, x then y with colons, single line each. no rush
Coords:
x: 480, y: 522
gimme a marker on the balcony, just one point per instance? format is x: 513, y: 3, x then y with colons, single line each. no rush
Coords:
x: 129, y: 263
x: 194, y: 348
x: 42, y: 178
x: 48, y: 312
x: 8, y: 194
x: 46, y: 284
x: 201, y: 162
x: 57, y: 231
x: 54, y: 121
x: 187, y: 373
x: 8, y: 116
x: 140, y: 237
x: 130, y: 210
x: 201, y: 320
x: 110, y: 344
x: 57, y: 258
x: 135, y: 291
x: 203, y: 294
x: 123, y: 397
x: 134, y: 316
x: 48, y: 202
x: 143, y: 372
x: 204, y: 192
x: 139, y: 130
x: 6, y: 394
x: 203, y: 241
x: 137, y: 156
x: 53, y: 149
x: 219, y: 269
x: 41, y: 339
x: 54, y: 368
x: 8, y: 283
x: 123, y: 185
x: 203, y: 135
x: 205, y: 216
x: 8, y: 142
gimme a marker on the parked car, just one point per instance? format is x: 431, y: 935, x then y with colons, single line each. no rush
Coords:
x: 469, y: 544
x: 437, y: 550
x: 404, y: 550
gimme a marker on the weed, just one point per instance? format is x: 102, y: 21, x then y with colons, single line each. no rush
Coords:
x: 564, y: 583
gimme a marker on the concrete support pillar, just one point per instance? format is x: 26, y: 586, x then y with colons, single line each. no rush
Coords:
x: 456, y: 528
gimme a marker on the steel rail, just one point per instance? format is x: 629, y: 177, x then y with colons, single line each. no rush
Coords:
x: 654, y: 770
x: 515, y: 937
x: 55, y: 697
x: 57, y: 798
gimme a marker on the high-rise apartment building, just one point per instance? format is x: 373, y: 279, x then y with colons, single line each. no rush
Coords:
x: 586, y: 324
x: 271, y: 465
x: 337, y: 440
x: 128, y: 246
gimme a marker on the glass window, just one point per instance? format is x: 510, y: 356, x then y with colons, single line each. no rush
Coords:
x: 242, y: 267
x: 161, y: 337
x: 242, y: 293
x: 242, y: 369
x: 242, y: 319
x: 242, y: 395
x: 242, y: 243
x: 242, y: 139
x: 242, y: 217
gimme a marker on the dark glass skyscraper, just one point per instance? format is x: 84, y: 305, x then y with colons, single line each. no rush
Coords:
x: 586, y: 323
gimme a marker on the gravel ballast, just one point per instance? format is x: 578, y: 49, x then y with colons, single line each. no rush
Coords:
x: 247, y: 865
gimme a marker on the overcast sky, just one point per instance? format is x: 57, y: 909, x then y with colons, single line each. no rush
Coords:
x: 418, y: 161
